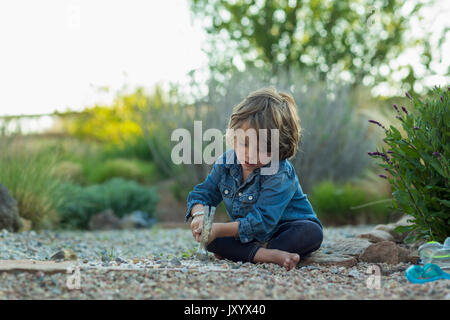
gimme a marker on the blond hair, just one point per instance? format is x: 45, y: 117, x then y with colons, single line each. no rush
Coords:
x: 267, y: 108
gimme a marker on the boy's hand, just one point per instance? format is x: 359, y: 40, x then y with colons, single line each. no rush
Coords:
x: 196, y: 227
x: 213, y: 233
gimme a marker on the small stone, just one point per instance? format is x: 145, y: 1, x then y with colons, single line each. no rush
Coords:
x: 120, y: 260
x: 137, y: 260
x: 334, y: 270
x: 393, y: 284
x: 175, y: 261
x: 354, y: 273
x: 65, y: 255
x: 311, y: 268
x: 184, y: 269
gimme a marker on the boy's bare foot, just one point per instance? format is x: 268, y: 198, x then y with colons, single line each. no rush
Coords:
x: 283, y: 258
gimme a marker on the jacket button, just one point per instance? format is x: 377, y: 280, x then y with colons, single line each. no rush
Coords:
x: 250, y: 197
x: 240, y: 194
x: 226, y: 191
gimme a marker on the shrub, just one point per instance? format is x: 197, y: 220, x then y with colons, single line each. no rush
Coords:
x: 99, y: 170
x: 28, y: 175
x: 340, y: 204
x: 333, y: 130
x: 81, y: 203
x: 417, y: 165
x: 70, y: 171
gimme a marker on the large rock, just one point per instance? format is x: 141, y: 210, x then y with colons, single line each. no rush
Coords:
x: 381, y: 252
x: 377, y: 236
x: 334, y: 259
x: 9, y: 211
x: 105, y: 220
x: 351, y: 246
x: 386, y: 232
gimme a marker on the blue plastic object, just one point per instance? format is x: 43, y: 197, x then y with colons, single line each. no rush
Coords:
x: 427, y: 273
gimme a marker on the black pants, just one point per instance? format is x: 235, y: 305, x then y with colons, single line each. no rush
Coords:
x: 298, y: 236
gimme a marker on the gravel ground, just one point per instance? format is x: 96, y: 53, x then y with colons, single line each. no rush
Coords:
x: 159, y: 264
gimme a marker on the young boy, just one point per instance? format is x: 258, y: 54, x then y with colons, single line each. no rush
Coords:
x: 272, y: 219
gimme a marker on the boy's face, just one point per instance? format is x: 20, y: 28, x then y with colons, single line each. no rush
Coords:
x: 247, y: 149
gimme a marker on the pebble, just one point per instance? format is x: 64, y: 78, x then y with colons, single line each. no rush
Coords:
x: 175, y: 261
x: 354, y: 273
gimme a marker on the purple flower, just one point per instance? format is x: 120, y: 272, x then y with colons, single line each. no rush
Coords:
x: 382, y: 176
x: 386, y: 169
x: 377, y: 123
x: 389, y: 151
x: 395, y: 107
x: 404, y: 110
x: 399, y: 118
x: 437, y: 154
x: 407, y: 95
x: 416, y: 128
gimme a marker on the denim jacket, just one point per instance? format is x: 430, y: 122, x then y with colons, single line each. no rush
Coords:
x: 261, y: 204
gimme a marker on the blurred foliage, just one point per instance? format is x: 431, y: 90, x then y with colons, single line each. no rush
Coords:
x: 28, y: 175
x: 79, y: 203
x: 99, y: 171
x: 418, y: 164
x: 333, y: 129
x: 348, y: 204
x: 114, y: 126
x: 334, y: 38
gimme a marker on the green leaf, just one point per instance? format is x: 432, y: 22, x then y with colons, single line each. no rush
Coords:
x: 395, y: 133
x: 444, y: 202
x: 402, y: 229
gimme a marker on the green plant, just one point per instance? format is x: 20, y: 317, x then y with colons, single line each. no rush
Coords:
x: 28, y: 175
x: 418, y: 165
x: 340, y: 204
x: 99, y: 170
x: 79, y: 203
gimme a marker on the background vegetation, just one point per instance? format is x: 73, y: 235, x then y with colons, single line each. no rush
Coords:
x: 332, y: 56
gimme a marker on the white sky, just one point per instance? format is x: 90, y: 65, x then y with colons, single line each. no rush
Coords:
x: 54, y: 54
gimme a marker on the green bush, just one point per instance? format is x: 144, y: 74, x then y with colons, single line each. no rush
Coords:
x: 418, y: 165
x: 338, y: 205
x: 81, y: 203
x: 99, y: 170
x: 132, y: 148
x: 28, y: 175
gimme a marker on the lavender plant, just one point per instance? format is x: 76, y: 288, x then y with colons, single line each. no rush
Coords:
x: 417, y: 165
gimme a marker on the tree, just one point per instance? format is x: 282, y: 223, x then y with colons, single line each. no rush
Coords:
x: 345, y: 40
